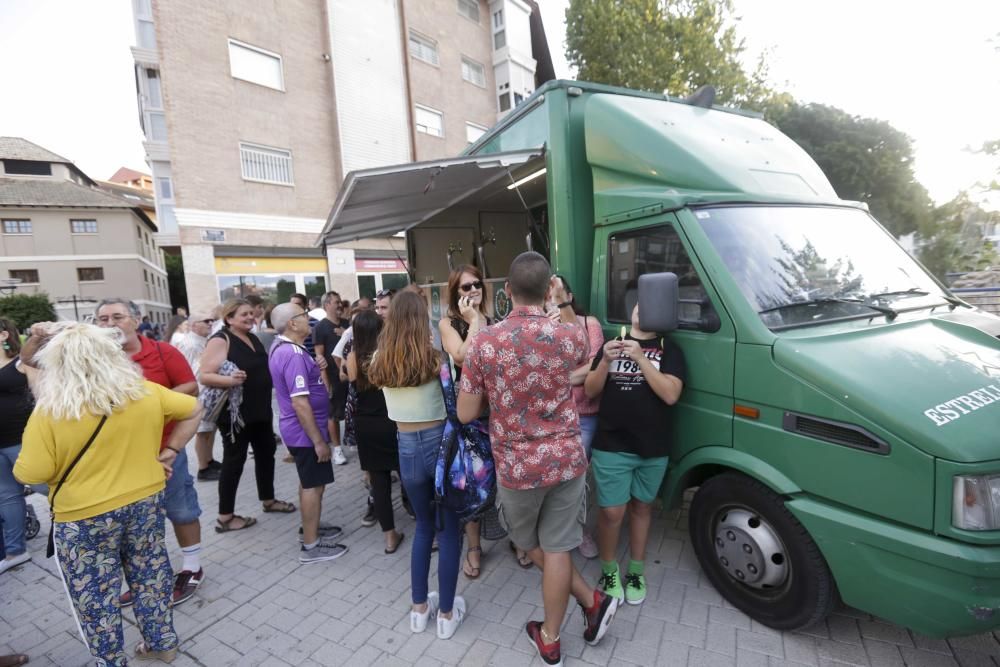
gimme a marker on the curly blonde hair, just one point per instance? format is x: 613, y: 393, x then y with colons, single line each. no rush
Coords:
x: 84, y: 370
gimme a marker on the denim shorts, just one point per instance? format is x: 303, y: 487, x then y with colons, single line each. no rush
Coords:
x: 180, y: 498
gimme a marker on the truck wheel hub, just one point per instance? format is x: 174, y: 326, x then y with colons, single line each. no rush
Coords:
x: 749, y: 550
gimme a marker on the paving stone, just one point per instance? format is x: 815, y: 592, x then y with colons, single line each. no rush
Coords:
x: 699, y: 658
x: 800, y: 649
x: 915, y: 658
x: 883, y: 653
x: 885, y: 632
x: 760, y: 643
x: 731, y: 617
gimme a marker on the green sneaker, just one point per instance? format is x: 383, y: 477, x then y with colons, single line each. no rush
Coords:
x: 635, y: 588
x: 611, y: 584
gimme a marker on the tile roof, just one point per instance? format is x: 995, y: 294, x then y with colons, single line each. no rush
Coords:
x: 16, y: 148
x: 49, y: 192
x: 124, y: 175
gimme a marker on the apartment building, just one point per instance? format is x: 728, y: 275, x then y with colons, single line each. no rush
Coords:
x: 62, y: 235
x: 254, y: 111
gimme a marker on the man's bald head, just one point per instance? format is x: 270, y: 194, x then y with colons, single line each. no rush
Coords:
x: 283, y: 314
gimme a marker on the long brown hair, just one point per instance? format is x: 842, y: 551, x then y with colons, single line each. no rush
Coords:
x: 454, y: 291
x: 13, y: 340
x: 367, y: 326
x: 406, y: 357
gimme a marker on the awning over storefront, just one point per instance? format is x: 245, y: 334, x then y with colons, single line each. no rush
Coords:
x: 388, y: 200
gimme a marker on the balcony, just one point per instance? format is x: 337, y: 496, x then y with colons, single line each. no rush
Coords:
x: 145, y: 57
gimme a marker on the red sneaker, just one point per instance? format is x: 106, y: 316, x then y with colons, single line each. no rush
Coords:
x: 598, y: 617
x: 185, y: 584
x: 549, y: 653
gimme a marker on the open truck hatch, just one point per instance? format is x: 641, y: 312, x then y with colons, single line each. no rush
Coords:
x: 388, y: 200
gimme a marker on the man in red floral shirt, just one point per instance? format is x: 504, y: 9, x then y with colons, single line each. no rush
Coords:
x: 522, y: 366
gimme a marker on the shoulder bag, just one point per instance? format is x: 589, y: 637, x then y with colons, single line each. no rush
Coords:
x: 51, y: 548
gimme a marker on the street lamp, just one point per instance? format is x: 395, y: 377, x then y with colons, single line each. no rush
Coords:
x: 8, y: 285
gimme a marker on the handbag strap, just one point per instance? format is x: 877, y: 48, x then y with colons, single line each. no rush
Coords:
x: 448, y: 390
x: 93, y: 436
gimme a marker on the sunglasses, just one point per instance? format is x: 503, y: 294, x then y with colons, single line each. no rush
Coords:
x: 468, y: 287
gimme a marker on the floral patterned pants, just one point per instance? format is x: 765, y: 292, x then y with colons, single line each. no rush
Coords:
x: 93, y: 552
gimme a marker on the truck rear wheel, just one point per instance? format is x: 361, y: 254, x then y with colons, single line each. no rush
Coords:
x: 757, y: 554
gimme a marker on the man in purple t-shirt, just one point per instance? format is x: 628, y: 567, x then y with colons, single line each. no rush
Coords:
x: 303, y: 406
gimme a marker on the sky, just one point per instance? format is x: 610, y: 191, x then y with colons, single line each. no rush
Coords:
x: 930, y: 71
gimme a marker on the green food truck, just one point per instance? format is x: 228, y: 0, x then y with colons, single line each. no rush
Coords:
x: 841, y: 420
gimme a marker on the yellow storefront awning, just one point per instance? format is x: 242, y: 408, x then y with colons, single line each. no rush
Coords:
x: 247, y: 266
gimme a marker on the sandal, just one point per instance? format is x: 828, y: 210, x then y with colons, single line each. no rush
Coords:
x: 402, y: 536
x: 13, y: 660
x: 279, y: 506
x: 144, y: 652
x: 524, y: 560
x: 227, y: 526
x: 467, y: 565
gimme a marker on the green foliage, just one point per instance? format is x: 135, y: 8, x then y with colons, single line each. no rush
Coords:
x: 992, y: 148
x: 865, y: 159
x: 672, y: 46
x: 27, y: 309
x: 953, y: 240
x: 175, y: 280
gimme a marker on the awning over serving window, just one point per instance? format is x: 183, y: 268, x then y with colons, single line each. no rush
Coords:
x: 387, y: 200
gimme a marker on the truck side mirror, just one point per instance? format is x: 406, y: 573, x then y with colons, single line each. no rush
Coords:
x: 658, y: 302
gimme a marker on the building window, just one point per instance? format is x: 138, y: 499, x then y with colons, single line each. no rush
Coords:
x: 473, y: 72
x: 469, y: 9
x: 505, y: 102
x: 83, y: 226
x: 155, y: 92
x: 266, y: 165
x: 145, y: 34
x: 90, y: 274
x: 423, y: 48
x: 157, y: 126
x: 17, y: 226
x: 255, y: 65
x: 429, y: 121
x: 499, y: 40
x: 27, y: 167
x: 473, y: 132
x: 518, y: 98
x: 164, y: 189
x: 498, y: 19
x: 26, y: 276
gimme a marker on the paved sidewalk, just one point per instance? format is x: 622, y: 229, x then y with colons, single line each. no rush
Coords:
x: 259, y: 606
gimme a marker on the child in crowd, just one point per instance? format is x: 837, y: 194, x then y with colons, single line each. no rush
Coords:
x: 637, y: 378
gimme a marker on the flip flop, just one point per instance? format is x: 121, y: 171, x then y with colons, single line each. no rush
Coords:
x: 226, y: 526
x: 144, y: 652
x: 467, y: 565
x: 525, y: 560
x: 402, y: 536
x: 279, y: 506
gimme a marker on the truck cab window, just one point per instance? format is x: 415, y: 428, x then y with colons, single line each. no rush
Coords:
x: 650, y: 250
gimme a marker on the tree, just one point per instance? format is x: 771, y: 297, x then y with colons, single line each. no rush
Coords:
x: 865, y: 159
x: 175, y: 281
x: 27, y: 309
x: 953, y: 240
x: 672, y: 46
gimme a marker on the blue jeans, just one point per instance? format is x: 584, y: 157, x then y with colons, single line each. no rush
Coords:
x: 588, y: 429
x: 417, y: 457
x: 12, y: 506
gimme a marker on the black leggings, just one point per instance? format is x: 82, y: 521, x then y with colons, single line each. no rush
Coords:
x: 260, y: 436
x: 382, y: 495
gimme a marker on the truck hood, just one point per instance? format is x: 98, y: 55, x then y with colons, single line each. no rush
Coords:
x: 934, y: 383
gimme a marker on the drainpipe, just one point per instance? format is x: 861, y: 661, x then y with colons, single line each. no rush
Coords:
x: 404, y: 32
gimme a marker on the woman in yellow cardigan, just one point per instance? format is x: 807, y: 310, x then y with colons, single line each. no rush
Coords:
x: 109, y: 512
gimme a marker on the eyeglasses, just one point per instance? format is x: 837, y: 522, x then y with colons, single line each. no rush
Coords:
x: 210, y: 321
x: 468, y: 287
x: 299, y: 315
x: 382, y: 293
x: 117, y: 319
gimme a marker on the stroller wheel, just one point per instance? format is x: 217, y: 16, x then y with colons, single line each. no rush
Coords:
x: 31, y: 523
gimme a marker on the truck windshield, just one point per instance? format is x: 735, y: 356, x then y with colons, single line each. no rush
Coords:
x: 808, y: 265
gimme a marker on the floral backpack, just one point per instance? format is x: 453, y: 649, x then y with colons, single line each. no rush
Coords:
x: 465, y: 479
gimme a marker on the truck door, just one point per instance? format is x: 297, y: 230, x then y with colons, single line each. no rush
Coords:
x: 704, y: 415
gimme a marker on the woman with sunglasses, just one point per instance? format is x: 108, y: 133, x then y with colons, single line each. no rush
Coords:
x: 466, y: 316
x: 407, y: 367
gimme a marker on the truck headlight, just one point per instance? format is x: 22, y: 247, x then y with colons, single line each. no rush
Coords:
x: 976, y: 502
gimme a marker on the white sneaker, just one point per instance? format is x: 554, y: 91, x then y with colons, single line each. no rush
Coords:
x: 448, y: 626
x: 338, y: 456
x: 588, y: 548
x: 11, y: 563
x: 418, y: 621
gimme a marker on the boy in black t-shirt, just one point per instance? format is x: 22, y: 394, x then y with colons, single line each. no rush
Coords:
x: 637, y: 379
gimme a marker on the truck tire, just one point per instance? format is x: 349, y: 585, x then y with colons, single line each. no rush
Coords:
x: 757, y: 554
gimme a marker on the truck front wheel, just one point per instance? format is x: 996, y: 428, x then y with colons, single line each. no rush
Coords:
x: 757, y: 554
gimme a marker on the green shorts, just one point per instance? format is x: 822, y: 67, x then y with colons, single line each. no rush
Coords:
x: 621, y: 476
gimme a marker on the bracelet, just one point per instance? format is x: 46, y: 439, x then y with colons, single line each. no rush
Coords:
x: 564, y: 304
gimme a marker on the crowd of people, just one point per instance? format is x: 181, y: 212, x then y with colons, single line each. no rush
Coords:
x: 101, y: 414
